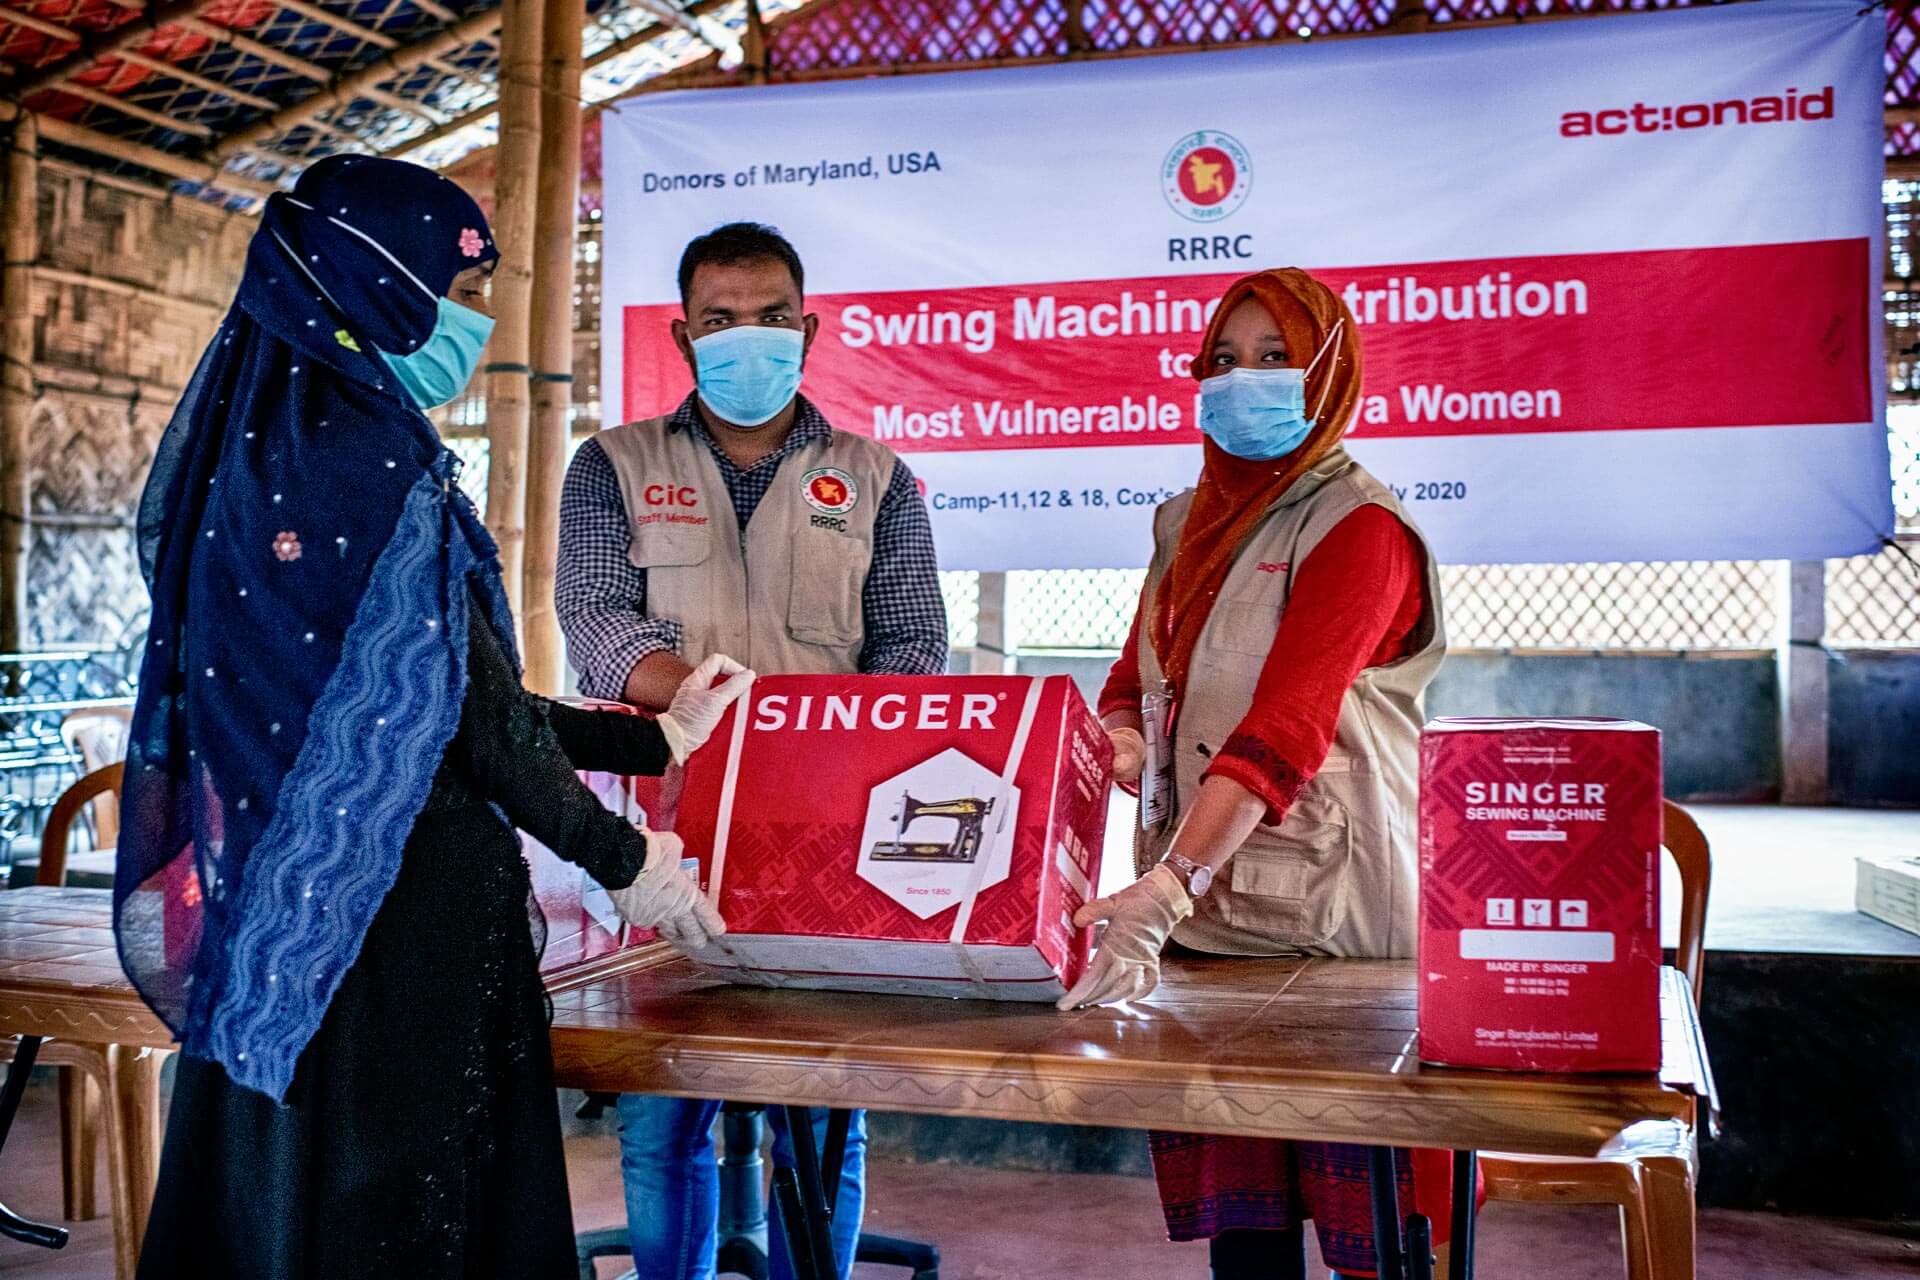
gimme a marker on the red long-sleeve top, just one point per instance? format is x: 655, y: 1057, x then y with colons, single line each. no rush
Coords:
x: 1356, y: 600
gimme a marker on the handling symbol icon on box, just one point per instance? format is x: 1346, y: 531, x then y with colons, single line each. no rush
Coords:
x: 1573, y: 913
x: 1499, y: 910
x: 1537, y: 913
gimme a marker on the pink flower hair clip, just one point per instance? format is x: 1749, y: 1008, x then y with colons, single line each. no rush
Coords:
x: 287, y: 546
x: 471, y: 245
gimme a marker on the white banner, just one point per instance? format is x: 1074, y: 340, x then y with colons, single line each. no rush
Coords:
x: 1618, y: 279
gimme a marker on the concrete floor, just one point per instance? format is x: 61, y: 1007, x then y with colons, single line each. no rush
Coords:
x: 999, y: 1225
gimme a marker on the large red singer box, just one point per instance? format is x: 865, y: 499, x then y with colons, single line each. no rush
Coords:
x: 1540, y: 894
x: 927, y: 835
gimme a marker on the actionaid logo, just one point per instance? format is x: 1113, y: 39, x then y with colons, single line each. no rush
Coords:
x: 886, y: 712
x: 1783, y: 108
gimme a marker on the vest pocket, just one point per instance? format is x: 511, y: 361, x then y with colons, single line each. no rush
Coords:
x: 824, y: 604
x: 1244, y: 626
x: 1289, y: 883
x: 668, y: 545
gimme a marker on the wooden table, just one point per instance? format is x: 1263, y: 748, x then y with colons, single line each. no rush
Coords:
x: 1282, y: 1048
x: 1272, y: 1048
x: 60, y: 978
x: 1275, y: 1048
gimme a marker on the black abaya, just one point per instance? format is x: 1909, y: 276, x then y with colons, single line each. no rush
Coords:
x: 421, y: 1138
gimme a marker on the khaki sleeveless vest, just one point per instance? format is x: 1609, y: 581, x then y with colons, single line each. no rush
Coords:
x: 1337, y: 875
x: 784, y: 595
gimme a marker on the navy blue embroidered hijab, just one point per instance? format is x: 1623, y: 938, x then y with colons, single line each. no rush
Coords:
x: 311, y: 562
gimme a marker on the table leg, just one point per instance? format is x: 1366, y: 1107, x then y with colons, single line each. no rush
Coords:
x: 78, y: 1127
x: 1388, y: 1254
x: 1466, y: 1188
x: 133, y: 1146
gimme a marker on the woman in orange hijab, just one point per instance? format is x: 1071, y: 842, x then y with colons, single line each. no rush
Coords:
x: 1289, y: 621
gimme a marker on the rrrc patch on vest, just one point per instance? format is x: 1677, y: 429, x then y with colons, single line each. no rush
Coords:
x: 829, y: 489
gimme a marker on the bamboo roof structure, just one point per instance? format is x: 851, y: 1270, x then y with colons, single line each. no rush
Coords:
x: 228, y: 100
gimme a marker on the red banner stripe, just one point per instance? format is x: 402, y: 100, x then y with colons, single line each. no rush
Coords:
x: 1757, y: 335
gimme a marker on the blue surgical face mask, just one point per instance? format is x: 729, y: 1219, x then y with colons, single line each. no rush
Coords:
x: 1261, y: 414
x: 748, y: 373
x: 443, y: 365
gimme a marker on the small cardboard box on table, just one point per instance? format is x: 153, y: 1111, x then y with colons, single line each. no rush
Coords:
x: 925, y: 835
x: 1540, y: 894
x: 1887, y: 887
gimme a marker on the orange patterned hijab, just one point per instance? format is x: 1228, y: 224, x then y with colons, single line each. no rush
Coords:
x: 1235, y: 494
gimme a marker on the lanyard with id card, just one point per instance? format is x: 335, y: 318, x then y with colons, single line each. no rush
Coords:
x: 1156, y: 775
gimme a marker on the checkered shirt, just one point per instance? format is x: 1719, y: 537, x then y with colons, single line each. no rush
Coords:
x: 601, y: 597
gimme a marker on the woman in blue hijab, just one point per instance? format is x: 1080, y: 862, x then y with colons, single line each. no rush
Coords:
x: 319, y: 887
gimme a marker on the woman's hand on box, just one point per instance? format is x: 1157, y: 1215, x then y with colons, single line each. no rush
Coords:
x: 1129, y: 754
x: 1140, y: 918
x: 665, y: 898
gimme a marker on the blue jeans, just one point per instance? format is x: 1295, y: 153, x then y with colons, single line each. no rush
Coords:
x: 672, y: 1181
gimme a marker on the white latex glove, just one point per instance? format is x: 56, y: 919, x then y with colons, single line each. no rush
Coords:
x: 666, y: 898
x: 1139, y: 919
x: 1129, y: 753
x: 696, y: 708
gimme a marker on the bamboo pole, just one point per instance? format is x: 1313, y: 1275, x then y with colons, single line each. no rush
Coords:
x: 174, y: 166
x: 346, y: 26
x: 510, y: 357
x: 20, y: 238
x: 87, y: 93
x: 256, y: 49
x: 32, y: 22
x: 555, y: 224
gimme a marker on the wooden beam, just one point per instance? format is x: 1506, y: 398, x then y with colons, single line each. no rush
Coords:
x: 145, y: 188
x: 557, y: 215
x: 466, y: 32
x: 510, y: 357
x: 406, y: 106
x: 435, y: 9
x: 346, y: 26
x: 107, y: 43
x: 174, y: 166
x: 461, y: 74
x: 20, y: 18
x: 127, y: 289
x: 452, y: 126
x: 159, y: 66
x: 253, y: 48
x: 19, y: 248
x: 87, y: 93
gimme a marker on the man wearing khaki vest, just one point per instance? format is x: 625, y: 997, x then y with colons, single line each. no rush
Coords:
x: 741, y: 523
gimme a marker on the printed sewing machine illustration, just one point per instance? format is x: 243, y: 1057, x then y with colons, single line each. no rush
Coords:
x: 967, y: 813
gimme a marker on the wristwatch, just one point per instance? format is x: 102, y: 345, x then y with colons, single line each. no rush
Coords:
x: 1198, y: 877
